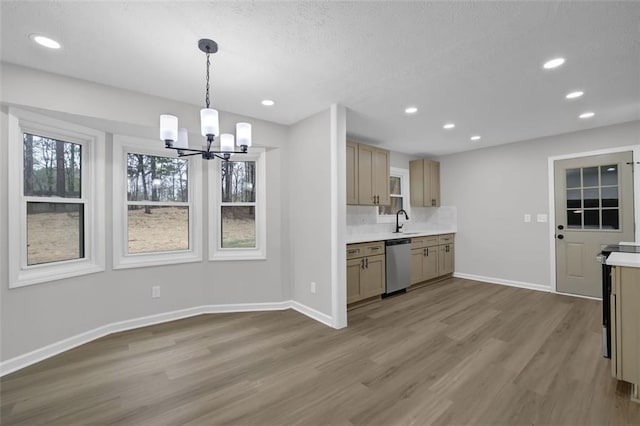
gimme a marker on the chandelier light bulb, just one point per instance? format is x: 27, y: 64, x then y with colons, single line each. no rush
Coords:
x: 243, y: 134
x: 226, y: 142
x: 209, y: 123
x: 168, y: 127
x: 183, y: 139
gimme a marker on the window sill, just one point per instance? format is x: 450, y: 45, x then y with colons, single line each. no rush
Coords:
x: 238, y: 255
x: 147, y: 260
x: 54, y: 273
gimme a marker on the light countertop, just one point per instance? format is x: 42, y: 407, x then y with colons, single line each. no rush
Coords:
x: 364, y: 238
x: 624, y: 259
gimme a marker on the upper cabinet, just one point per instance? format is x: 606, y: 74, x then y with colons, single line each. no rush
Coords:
x: 367, y: 175
x: 424, y: 182
x: 352, y: 173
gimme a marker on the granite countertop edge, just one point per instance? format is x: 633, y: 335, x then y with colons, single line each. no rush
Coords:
x: 365, y: 238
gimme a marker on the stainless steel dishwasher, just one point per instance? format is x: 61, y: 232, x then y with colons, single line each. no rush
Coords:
x: 398, y: 265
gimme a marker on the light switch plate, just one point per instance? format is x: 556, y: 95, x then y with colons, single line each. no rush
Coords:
x: 527, y: 218
x: 542, y: 217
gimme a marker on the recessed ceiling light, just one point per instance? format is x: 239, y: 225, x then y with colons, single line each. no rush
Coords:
x: 587, y: 115
x: 475, y: 138
x: 410, y: 110
x: 268, y: 102
x: 554, y: 63
x: 574, y: 95
x: 45, y: 41
x: 449, y: 126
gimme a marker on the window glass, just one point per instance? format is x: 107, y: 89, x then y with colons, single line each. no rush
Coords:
x: 395, y: 187
x: 609, y: 175
x: 52, y: 168
x: 589, y: 190
x: 157, y: 228
x: 573, y: 178
x: 238, y: 181
x: 54, y: 232
x: 238, y: 227
x: 155, y: 178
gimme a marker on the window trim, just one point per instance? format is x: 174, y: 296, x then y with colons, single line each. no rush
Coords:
x: 216, y: 252
x: 403, y: 174
x: 93, y: 142
x: 122, y: 145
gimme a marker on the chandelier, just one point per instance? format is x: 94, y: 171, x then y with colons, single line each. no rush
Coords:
x: 177, y: 139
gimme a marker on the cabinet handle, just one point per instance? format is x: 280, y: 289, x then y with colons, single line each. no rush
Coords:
x: 375, y: 248
x: 353, y: 251
x: 362, y: 263
x: 366, y: 262
x: 447, y: 248
x: 424, y: 252
x: 433, y: 201
x: 374, y: 199
x: 427, y: 251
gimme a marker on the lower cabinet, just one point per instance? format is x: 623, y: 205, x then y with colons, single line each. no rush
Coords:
x: 424, y: 264
x: 431, y: 257
x: 366, y: 271
x: 445, y: 259
x: 625, y: 325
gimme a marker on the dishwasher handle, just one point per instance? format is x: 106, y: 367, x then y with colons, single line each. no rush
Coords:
x: 398, y: 241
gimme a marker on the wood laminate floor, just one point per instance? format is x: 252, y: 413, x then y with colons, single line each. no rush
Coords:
x: 456, y: 352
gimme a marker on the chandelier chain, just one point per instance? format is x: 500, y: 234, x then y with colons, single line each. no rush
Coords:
x: 207, y: 96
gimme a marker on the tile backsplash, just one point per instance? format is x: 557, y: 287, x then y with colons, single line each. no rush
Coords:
x: 364, y: 220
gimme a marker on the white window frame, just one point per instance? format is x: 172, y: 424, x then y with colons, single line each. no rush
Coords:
x: 92, y: 196
x: 403, y: 174
x: 122, y: 145
x: 216, y: 252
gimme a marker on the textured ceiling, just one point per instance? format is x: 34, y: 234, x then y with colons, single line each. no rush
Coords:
x: 477, y: 64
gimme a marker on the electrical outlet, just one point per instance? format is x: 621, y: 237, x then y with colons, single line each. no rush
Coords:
x: 155, y: 291
x: 527, y: 218
x: 313, y: 287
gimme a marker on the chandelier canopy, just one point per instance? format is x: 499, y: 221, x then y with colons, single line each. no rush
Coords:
x: 178, y: 138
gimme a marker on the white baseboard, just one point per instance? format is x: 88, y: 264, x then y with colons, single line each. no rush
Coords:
x: 40, y: 354
x: 511, y: 283
x: 312, y: 313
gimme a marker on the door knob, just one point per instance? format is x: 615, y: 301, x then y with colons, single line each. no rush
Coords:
x: 560, y: 237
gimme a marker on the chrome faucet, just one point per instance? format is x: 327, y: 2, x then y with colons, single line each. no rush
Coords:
x: 398, y: 226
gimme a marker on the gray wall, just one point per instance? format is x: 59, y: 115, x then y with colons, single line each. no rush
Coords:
x: 41, y: 314
x: 310, y: 210
x: 493, y: 188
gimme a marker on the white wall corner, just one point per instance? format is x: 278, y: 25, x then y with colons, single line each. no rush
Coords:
x: 338, y: 216
x: 313, y: 314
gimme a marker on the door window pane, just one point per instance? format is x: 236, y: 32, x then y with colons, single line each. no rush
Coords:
x: 157, y: 228
x: 610, y: 219
x: 55, y: 232
x: 609, y: 175
x: 591, y: 219
x: 154, y: 178
x: 590, y: 176
x: 574, y: 198
x: 238, y: 227
x: 573, y: 178
x: 51, y: 167
x: 238, y: 181
x: 574, y: 219
x: 610, y: 196
x: 591, y: 198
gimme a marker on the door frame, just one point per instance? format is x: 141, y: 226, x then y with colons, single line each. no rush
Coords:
x: 635, y: 149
